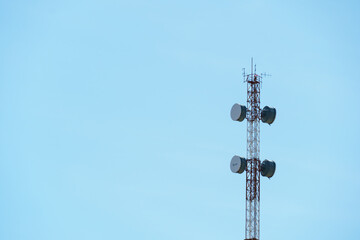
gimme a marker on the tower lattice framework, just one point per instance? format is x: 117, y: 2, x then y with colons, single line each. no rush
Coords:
x: 252, y: 218
x: 252, y: 163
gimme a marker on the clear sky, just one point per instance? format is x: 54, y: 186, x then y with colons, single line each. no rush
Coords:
x: 115, y: 118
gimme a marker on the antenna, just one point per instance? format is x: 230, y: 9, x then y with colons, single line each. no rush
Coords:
x: 265, y: 74
x: 252, y: 164
x: 251, y: 66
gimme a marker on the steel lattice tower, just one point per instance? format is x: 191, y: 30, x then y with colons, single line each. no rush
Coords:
x: 252, y: 163
x: 252, y: 224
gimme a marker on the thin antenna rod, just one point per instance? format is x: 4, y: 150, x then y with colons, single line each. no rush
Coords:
x: 251, y: 66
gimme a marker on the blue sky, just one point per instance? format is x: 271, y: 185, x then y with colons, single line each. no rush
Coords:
x: 115, y: 118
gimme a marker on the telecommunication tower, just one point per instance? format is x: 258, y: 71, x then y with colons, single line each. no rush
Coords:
x: 252, y: 164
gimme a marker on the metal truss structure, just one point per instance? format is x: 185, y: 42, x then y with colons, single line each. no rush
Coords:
x: 252, y: 164
x: 252, y: 224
